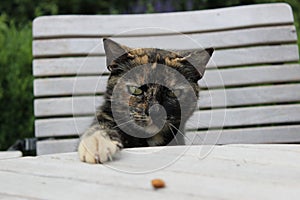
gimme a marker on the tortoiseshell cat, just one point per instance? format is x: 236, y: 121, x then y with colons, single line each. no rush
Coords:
x: 150, y: 95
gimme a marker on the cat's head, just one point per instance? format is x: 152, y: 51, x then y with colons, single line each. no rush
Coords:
x: 153, y: 87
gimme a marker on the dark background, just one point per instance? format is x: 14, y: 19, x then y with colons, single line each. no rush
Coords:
x: 16, y: 92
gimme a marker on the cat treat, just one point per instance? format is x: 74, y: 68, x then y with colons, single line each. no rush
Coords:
x: 158, y: 183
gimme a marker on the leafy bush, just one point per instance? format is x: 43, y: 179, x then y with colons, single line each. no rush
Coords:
x: 16, y: 96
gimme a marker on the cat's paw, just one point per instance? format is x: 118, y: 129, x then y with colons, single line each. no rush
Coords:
x: 97, y: 148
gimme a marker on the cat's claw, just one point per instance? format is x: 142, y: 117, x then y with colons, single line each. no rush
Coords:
x: 98, y: 148
x: 97, y: 159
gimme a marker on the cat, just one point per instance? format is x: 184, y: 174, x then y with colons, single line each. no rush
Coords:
x: 150, y: 95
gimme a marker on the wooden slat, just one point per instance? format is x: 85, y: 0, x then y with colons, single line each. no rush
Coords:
x: 244, y: 116
x: 245, y: 76
x: 66, y: 106
x: 61, y: 126
x: 220, y: 98
x: 201, y: 119
x: 254, y: 55
x: 247, y: 56
x: 69, y: 66
x: 198, y: 21
x: 69, y: 86
x: 96, y: 65
x: 212, y: 79
x: 224, y: 39
x: 56, y: 146
x: 275, y: 134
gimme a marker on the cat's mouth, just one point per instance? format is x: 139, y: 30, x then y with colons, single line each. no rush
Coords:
x: 144, y: 121
x: 149, y: 125
x: 152, y: 122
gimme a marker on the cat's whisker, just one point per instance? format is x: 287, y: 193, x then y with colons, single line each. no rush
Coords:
x: 122, y: 124
x: 173, y: 134
x: 200, y: 137
x: 181, y: 133
x: 204, y: 124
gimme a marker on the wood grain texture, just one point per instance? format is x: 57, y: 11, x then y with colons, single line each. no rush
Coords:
x: 67, y: 106
x: 259, y: 135
x: 89, y: 85
x: 228, y: 172
x: 244, y: 116
x: 69, y: 66
x: 81, y: 66
x: 219, y: 98
x: 235, y: 57
x: 10, y: 154
x: 69, y: 86
x: 145, y: 24
x: 247, y: 76
x: 233, y: 97
x: 56, y: 146
x: 224, y: 39
x: 254, y: 55
x: 56, y: 127
x: 205, y: 119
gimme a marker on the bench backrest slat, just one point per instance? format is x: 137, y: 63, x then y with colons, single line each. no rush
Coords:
x: 86, y: 105
x: 184, y: 22
x: 234, y: 38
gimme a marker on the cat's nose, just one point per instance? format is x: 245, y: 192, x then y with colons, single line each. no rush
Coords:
x: 155, y: 108
x: 158, y: 114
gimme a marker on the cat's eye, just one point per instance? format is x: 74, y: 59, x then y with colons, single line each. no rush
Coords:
x: 174, y: 93
x: 134, y: 90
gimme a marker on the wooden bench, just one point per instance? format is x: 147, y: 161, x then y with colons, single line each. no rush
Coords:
x: 250, y: 91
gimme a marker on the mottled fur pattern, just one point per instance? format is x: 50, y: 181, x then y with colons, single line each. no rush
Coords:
x: 105, y: 136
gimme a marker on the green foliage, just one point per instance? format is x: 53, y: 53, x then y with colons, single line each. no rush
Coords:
x: 16, y: 80
x: 24, y: 11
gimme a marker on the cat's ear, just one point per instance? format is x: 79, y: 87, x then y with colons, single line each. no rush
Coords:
x: 113, y: 51
x: 198, y: 58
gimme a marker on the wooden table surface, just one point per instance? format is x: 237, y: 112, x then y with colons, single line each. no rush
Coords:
x: 190, y: 172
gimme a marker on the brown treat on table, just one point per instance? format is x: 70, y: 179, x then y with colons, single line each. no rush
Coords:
x: 158, y: 183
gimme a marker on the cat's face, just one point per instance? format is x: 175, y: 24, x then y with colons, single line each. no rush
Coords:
x: 152, y: 89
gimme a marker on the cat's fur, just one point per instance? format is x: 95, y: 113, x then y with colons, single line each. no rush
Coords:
x: 146, y: 98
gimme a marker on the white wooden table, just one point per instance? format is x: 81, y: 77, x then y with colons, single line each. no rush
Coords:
x: 10, y: 154
x: 227, y: 172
